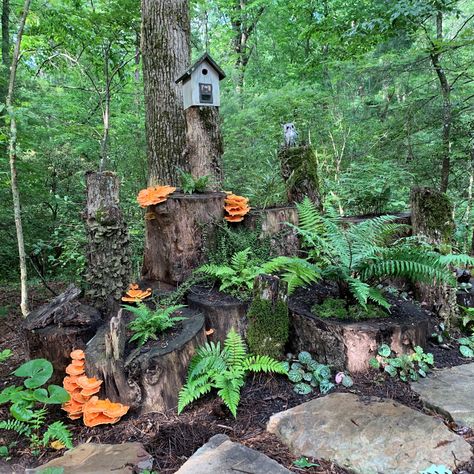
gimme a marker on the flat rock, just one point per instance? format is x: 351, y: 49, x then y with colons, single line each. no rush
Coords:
x: 220, y: 455
x: 450, y: 392
x: 92, y: 458
x: 368, y: 435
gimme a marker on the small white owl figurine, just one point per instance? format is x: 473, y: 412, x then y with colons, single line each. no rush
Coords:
x: 290, y: 134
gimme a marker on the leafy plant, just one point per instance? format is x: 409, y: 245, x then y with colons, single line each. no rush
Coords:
x: 467, y: 346
x: 28, y: 405
x: 467, y: 320
x: 225, y: 370
x: 5, y: 355
x: 359, y: 256
x: 344, y: 379
x: 190, y: 184
x: 306, y: 374
x: 148, y: 323
x: 339, y: 309
x: 304, y: 463
x: 406, y: 366
x: 434, y: 469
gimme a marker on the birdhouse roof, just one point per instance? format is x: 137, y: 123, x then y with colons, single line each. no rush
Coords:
x: 204, y: 57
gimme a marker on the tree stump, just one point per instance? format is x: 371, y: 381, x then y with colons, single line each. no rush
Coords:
x: 108, y: 252
x: 432, y: 219
x: 57, y: 328
x: 222, y: 312
x: 147, y: 379
x: 179, y: 231
x: 299, y: 169
x: 204, y: 145
x: 268, y: 321
x: 272, y: 224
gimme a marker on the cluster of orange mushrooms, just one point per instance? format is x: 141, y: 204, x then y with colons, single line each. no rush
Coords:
x: 134, y: 293
x: 236, y: 207
x: 83, y: 402
x: 154, y: 195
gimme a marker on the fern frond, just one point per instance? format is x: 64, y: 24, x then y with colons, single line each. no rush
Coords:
x: 360, y: 291
x: 58, y: 431
x: 263, y: 363
x: 235, y: 348
x: 229, y: 384
x: 19, y: 427
x: 193, y: 390
x: 309, y: 218
x: 240, y: 259
x: 459, y: 260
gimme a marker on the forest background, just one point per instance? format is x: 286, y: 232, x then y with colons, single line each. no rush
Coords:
x: 383, y: 90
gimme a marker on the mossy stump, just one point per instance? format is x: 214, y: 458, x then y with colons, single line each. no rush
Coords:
x: 268, y: 320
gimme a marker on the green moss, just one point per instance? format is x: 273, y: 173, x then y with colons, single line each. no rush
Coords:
x: 337, y: 308
x: 268, y: 328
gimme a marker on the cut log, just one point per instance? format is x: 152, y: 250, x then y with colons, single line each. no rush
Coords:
x: 148, y: 379
x: 204, y: 145
x: 272, y: 224
x: 299, y: 169
x: 222, y: 312
x: 178, y: 234
x: 347, y: 345
x: 57, y: 328
x: 268, y: 321
x: 108, y: 251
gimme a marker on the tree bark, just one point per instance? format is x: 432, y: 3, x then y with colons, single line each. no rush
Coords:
x: 12, y: 151
x: 6, y: 59
x: 204, y: 145
x: 108, y: 252
x: 166, y: 54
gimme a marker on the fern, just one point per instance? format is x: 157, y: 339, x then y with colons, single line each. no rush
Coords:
x: 19, y: 427
x: 58, y: 431
x: 223, y: 369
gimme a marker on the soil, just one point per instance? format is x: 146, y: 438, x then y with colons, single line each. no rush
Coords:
x: 172, y: 439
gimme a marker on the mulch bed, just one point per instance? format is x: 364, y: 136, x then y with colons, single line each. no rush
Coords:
x: 172, y: 439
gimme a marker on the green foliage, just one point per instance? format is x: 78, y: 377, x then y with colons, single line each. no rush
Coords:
x: 268, y: 327
x: 28, y: 418
x: 339, y: 309
x: 225, y: 370
x: 304, y: 463
x: 306, y: 374
x: 358, y: 256
x: 467, y: 320
x: 5, y: 355
x: 437, y: 469
x: 148, y: 323
x: 406, y: 366
x: 190, y: 185
x: 466, y: 347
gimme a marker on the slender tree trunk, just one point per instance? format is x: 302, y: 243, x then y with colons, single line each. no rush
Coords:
x: 166, y: 54
x: 447, y: 107
x: 12, y: 152
x: 6, y: 62
x: 104, y: 143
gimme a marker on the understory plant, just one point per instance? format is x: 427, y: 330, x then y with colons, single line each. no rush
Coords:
x: 29, y: 405
x: 224, y: 369
x: 360, y: 256
x: 5, y: 354
x: 467, y: 346
x: 190, y: 184
x: 406, y: 366
x: 148, y: 322
x: 306, y: 374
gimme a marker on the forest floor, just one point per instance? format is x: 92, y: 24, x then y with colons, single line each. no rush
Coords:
x: 172, y: 439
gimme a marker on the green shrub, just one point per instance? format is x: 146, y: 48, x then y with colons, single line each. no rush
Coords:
x: 338, y: 308
x: 190, y: 184
x: 268, y: 327
x: 467, y: 346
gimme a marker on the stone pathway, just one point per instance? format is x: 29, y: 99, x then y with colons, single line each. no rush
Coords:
x: 221, y: 456
x: 450, y: 392
x: 92, y: 458
x: 368, y: 435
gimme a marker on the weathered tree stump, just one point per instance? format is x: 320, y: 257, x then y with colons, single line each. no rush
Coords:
x: 108, y: 252
x: 347, y: 345
x: 178, y: 233
x: 272, y: 224
x: 57, y: 328
x: 204, y: 145
x: 268, y: 321
x: 432, y: 219
x: 222, y: 312
x: 148, y: 379
x: 299, y: 169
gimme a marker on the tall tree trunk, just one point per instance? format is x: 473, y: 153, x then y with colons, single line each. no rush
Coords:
x: 12, y: 152
x: 104, y: 143
x: 166, y: 54
x: 6, y: 59
x: 447, y: 107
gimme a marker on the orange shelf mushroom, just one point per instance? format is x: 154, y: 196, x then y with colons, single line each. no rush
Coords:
x: 83, y: 402
x: 236, y: 207
x: 154, y: 195
x: 134, y: 294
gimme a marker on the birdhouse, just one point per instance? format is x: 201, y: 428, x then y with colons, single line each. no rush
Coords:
x: 201, y: 83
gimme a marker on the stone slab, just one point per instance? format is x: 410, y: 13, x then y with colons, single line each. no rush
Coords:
x: 93, y: 458
x: 368, y: 435
x: 220, y: 455
x: 450, y: 392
